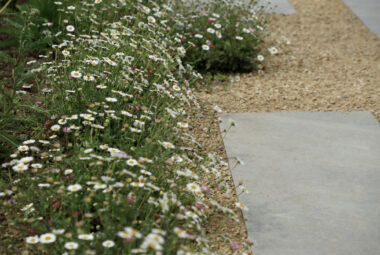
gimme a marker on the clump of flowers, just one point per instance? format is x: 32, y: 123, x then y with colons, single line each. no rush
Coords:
x: 220, y: 36
x: 115, y: 171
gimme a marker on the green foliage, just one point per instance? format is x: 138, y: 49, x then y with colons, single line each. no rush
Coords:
x: 30, y: 27
x: 220, y: 36
x: 27, y: 34
x: 47, y: 11
x: 16, y: 115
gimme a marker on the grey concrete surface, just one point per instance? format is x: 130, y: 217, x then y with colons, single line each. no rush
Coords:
x: 313, y: 181
x: 368, y: 11
x: 277, y: 6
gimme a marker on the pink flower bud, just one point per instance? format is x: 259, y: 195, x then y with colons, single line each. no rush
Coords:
x: 234, y: 246
x: 199, y: 206
x: 205, y: 188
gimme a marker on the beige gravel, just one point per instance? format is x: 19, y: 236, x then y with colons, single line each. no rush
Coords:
x: 332, y: 64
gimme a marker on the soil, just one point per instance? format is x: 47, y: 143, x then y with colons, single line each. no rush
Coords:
x: 205, y: 129
x: 331, y: 64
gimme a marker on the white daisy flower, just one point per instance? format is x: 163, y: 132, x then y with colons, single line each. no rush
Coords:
x: 135, y: 130
x: 76, y: 74
x: 70, y: 28
x: 23, y: 148
x: 47, y: 238
x: 146, y: 9
x: 104, y: 146
x: 26, y: 160
x: 100, y: 186
x: 129, y: 233
x: 217, y: 109
x: 29, y: 141
x: 205, y: 47
x: 181, y: 50
x: 68, y: 171
x: 113, y: 150
x: 108, y: 244
x: 71, y: 245
x: 167, y: 145
x: 126, y: 113
x: 20, y: 167
x: 193, y: 187
x: 111, y: 99
x: 110, y: 62
x: 210, y: 30
x: 55, y: 127
x: 44, y: 185
x: 241, y: 206
x: 180, y: 232
x: 137, y: 184
x: 139, y: 123
x: 62, y: 121
x: 27, y: 207
x: 66, y: 53
x: 32, y: 239
x: 88, y: 77
x: 151, y: 19
x: 132, y: 162
x: 74, y: 187
x: 101, y: 86
x: 36, y: 165
x: 273, y: 50
x: 182, y: 124
x: 87, y: 237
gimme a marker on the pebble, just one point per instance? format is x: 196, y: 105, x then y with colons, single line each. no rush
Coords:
x: 199, y: 115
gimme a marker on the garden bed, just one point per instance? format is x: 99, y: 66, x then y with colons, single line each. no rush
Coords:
x: 107, y: 164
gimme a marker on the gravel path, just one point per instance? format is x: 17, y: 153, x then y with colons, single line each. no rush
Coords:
x: 333, y: 65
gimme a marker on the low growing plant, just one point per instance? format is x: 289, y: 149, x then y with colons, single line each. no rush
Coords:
x: 220, y: 36
x: 17, y: 115
x: 115, y: 171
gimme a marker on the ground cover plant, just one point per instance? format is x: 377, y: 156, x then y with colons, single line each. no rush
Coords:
x: 221, y: 36
x: 114, y: 170
x: 24, y: 35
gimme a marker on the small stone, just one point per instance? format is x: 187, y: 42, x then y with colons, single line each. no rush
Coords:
x: 199, y: 115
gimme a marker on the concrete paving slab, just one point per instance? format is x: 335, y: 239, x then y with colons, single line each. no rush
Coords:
x: 313, y: 178
x: 277, y: 6
x: 368, y: 11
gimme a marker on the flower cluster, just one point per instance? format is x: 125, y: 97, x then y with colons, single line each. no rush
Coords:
x: 115, y: 168
x: 220, y: 36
